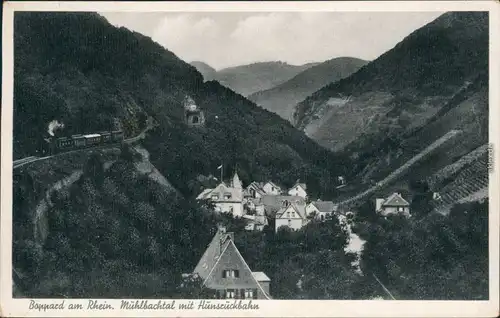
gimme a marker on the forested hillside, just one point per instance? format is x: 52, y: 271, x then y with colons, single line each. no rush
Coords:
x: 112, y: 233
x: 433, y: 81
x: 428, y: 66
x: 79, y: 69
x: 282, y: 99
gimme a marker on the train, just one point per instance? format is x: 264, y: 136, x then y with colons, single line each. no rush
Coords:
x: 56, y: 145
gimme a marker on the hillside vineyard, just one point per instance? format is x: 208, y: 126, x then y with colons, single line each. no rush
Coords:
x: 156, y: 175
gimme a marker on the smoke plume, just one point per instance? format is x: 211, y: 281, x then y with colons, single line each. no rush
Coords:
x: 53, y: 126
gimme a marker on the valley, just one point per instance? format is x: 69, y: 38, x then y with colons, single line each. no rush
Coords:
x: 363, y: 179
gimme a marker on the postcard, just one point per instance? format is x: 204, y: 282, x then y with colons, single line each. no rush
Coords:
x: 250, y: 159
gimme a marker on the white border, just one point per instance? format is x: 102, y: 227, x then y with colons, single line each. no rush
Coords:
x: 268, y: 308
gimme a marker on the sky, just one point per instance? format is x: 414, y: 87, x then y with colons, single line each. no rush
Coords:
x: 225, y: 39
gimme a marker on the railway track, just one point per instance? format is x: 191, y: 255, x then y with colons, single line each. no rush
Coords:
x: 27, y: 160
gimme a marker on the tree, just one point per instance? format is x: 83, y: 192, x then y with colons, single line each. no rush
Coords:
x: 366, y: 212
x: 192, y: 287
x: 94, y: 168
x: 128, y: 153
x: 422, y: 198
x: 431, y: 257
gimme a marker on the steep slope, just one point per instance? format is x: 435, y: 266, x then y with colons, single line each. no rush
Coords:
x: 404, y: 87
x: 434, y: 81
x: 57, y: 59
x: 78, y: 69
x: 116, y: 229
x: 282, y: 99
x: 100, y: 230
x: 208, y: 72
x: 248, y: 79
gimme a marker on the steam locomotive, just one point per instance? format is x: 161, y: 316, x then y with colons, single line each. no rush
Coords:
x: 61, y: 144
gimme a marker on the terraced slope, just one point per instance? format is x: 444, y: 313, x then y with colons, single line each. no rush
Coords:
x: 470, y: 184
x: 403, y: 169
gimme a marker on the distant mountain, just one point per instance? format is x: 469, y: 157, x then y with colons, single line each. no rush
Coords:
x: 255, y: 77
x: 282, y: 99
x: 208, y: 72
x: 434, y: 81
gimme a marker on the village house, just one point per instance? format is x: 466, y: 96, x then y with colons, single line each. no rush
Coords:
x: 320, y: 209
x: 271, y: 188
x: 273, y: 203
x: 394, y: 204
x: 223, y: 269
x: 226, y: 198
x: 259, y: 189
x: 291, y: 215
x: 254, y: 190
x: 299, y: 189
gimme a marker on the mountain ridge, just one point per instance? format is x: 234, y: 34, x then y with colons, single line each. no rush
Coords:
x: 249, y: 78
x: 282, y: 98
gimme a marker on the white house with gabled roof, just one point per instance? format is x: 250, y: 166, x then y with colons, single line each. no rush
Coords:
x: 292, y: 216
x: 299, y: 189
x: 271, y: 188
x: 226, y: 198
x: 321, y: 209
x: 394, y: 204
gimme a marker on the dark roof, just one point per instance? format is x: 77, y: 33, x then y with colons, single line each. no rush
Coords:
x: 211, y: 255
x: 324, y: 206
x: 220, y: 254
x: 272, y: 203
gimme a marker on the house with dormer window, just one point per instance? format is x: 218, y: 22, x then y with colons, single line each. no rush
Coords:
x: 226, y: 198
x: 223, y: 269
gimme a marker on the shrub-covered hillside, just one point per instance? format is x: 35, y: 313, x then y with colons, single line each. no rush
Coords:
x: 113, y: 233
x: 81, y: 70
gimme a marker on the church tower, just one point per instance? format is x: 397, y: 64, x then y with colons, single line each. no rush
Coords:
x: 236, y: 181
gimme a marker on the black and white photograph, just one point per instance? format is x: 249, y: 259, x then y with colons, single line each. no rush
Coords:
x: 249, y: 157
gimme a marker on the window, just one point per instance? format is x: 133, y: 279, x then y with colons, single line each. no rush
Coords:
x: 215, y: 197
x: 322, y: 217
x: 248, y: 293
x: 231, y: 273
x: 227, y: 196
x: 401, y: 209
x: 272, y: 189
x: 293, y: 214
x: 195, y: 119
x: 230, y: 293
x: 288, y: 214
x: 289, y: 223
